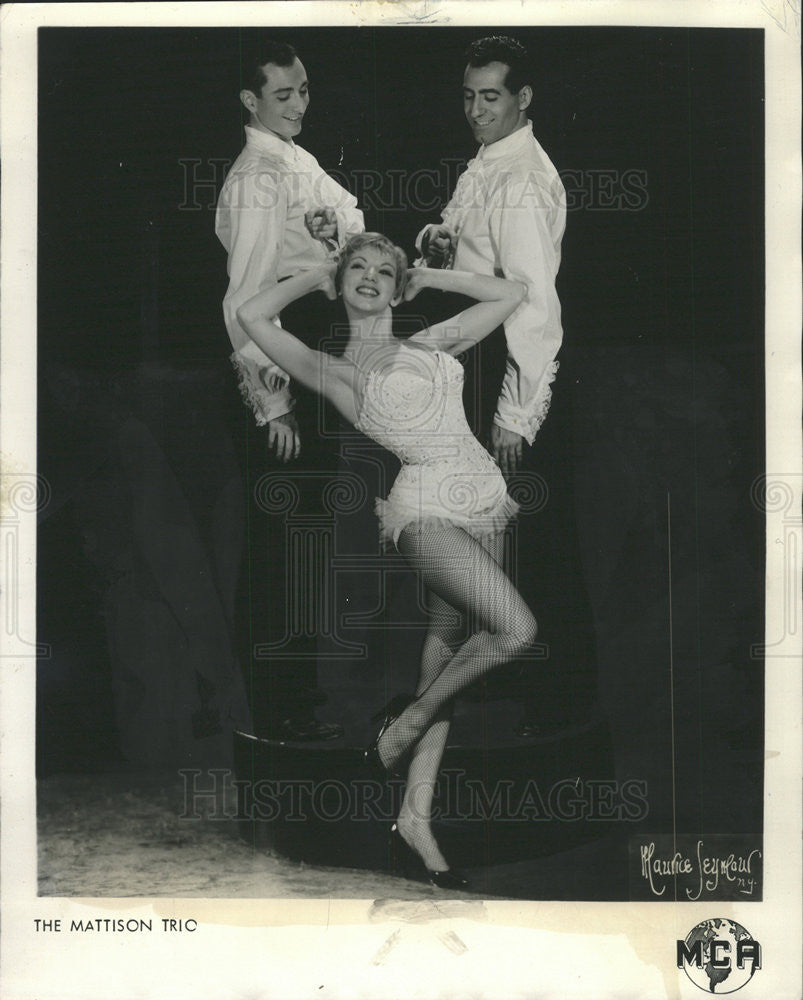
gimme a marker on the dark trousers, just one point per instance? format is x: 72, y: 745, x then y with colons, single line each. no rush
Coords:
x: 276, y: 612
x: 547, y: 568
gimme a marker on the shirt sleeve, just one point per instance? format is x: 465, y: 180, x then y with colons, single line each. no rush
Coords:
x: 420, y: 260
x: 350, y: 219
x: 521, y: 227
x: 446, y: 216
x: 349, y: 223
x: 251, y: 218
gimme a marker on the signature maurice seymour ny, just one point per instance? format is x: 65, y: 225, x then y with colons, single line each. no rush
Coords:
x: 706, y: 870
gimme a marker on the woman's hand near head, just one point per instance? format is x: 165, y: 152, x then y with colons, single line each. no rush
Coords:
x: 327, y: 282
x: 417, y: 278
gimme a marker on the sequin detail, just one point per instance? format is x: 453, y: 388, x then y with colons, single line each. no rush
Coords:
x: 414, y: 408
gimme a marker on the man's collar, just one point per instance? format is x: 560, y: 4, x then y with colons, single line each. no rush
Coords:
x: 266, y: 142
x: 510, y: 144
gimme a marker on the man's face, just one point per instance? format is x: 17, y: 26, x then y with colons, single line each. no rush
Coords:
x: 491, y: 110
x: 280, y: 107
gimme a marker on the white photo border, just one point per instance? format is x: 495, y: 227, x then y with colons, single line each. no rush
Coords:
x: 328, y: 948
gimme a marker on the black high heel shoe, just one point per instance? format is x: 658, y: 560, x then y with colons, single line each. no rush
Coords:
x: 405, y: 860
x: 388, y: 714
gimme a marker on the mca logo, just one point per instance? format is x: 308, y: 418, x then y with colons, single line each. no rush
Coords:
x: 719, y: 956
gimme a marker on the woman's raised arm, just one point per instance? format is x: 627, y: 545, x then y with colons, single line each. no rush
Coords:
x: 256, y: 318
x: 498, y: 298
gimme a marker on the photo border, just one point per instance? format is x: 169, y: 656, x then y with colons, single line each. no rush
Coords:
x: 333, y: 948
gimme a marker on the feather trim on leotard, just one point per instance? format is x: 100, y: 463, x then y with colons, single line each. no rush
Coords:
x: 393, y: 518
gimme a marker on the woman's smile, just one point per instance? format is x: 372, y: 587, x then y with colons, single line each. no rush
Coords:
x: 370, y: 277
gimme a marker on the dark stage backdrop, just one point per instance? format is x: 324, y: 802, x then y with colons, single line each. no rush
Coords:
x: 657, y: 429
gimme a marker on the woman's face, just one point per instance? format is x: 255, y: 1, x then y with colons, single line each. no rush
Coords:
x: 369, y: 280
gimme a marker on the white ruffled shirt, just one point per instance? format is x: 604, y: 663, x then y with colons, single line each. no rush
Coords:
x: 509, y: 212
x: 260, y: 222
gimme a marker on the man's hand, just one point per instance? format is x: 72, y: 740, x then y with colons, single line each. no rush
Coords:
x: 437, y: 245
x: 321, y: 223
x: 284, y: 439
x: 507, y: 448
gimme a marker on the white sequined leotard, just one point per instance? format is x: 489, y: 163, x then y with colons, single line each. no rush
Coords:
x: 414, y: 408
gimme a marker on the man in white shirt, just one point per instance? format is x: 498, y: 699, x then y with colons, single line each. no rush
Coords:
x: 506, y: 217
x: 278, y: 213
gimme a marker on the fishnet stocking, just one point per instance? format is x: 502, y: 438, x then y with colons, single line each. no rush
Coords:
x: 456, y: 568
x: 443, y: 638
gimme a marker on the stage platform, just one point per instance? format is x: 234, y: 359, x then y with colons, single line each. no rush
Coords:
x: 500, y: 798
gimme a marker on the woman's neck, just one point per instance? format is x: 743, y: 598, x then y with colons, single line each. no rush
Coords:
x: 368, y: 335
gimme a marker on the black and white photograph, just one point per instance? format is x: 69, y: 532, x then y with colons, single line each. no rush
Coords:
x: 401, y: 502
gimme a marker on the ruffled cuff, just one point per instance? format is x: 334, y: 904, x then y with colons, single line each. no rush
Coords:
x: 421, y: 260
x: 349, y: 223
x: 527, y: 421
x: 265, y: 392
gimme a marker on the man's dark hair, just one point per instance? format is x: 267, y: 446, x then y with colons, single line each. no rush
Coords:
x: 501, y: 48
x: 276, y: 53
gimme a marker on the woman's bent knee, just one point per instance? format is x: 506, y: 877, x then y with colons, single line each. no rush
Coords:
x: 524, y: 633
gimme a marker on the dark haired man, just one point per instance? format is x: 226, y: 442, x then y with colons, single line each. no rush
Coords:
x: 278, y: 213
x: 507, y: 216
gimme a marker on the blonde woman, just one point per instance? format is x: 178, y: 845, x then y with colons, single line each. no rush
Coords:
x: 449, y: 504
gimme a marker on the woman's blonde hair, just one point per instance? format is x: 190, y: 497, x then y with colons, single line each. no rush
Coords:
x: 377, y: 242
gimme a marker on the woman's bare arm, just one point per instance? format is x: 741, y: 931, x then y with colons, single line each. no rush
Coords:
x: 256, y: 318
x: 312, y: 369
x: 498, y: 298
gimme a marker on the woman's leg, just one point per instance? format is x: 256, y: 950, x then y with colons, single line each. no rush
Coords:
x: 459, y: 570
x: 415, y: 816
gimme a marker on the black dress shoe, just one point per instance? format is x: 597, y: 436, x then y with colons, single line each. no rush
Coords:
x: 306, y: 731
x: 404, y: 860
x: 448, y: 879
